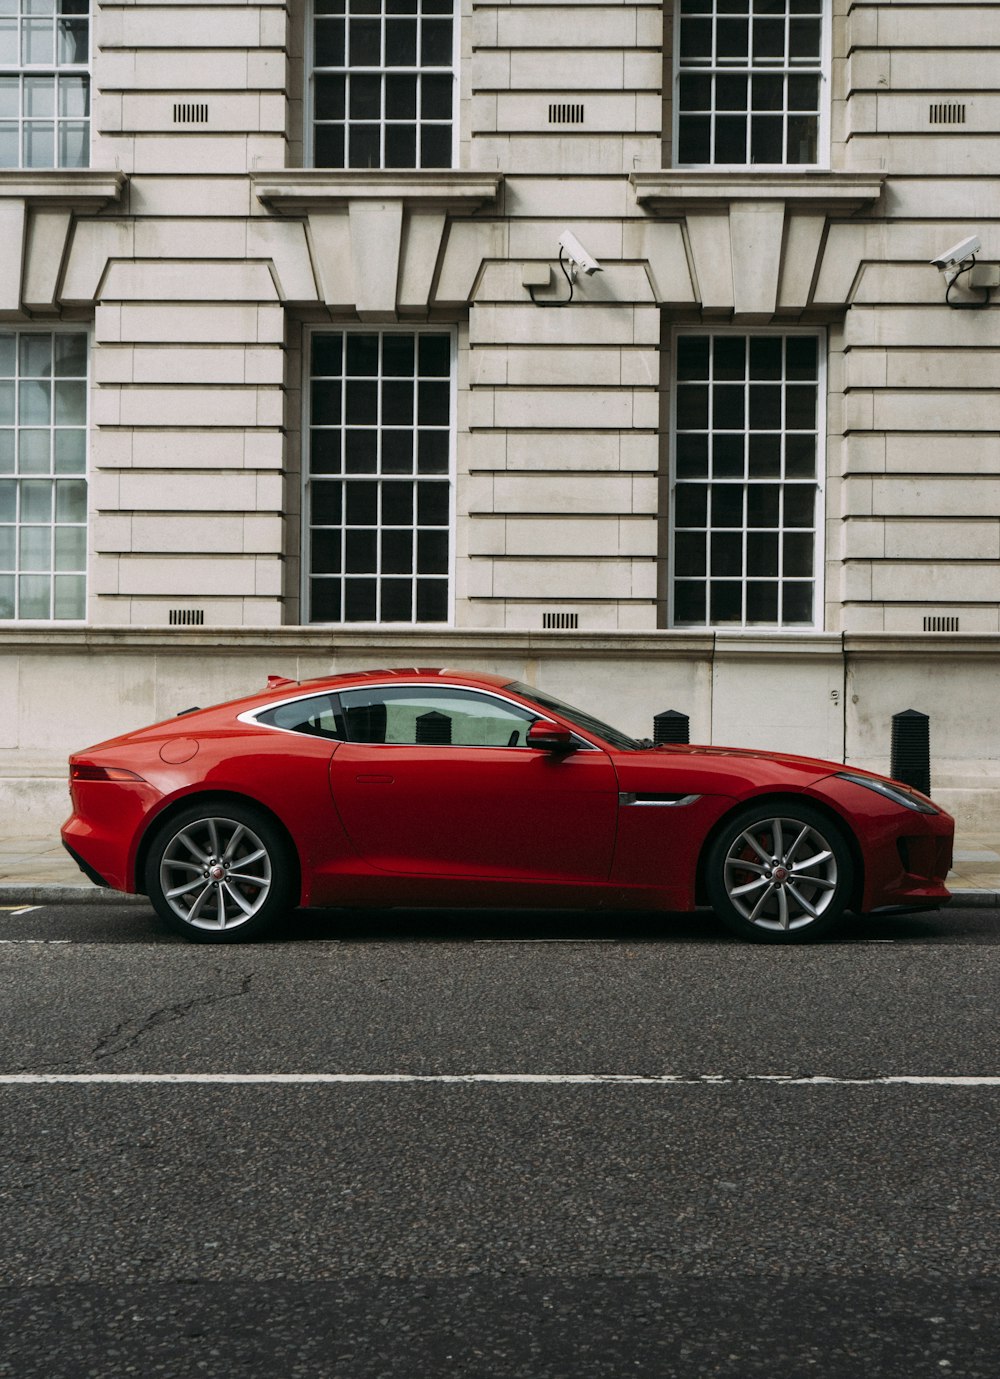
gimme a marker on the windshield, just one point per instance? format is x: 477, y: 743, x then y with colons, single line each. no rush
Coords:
x: 586, y: 721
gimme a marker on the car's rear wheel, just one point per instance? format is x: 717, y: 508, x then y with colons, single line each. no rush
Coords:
x: 220, y: 872
x: 779, y: 873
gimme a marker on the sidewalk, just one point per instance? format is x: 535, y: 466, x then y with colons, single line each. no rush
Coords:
x: 38, y: 871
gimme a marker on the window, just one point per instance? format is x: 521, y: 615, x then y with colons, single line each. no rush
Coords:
x: 382, y: 85
x: 317, y: 716
x: 417, y: 717
x: 378, y: 486
x: 44, y: 84
x: 749, y: 77
x: 43, y: 464
x: 745, y: 511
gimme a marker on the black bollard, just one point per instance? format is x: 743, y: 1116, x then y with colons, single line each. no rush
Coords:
x: 911, y: 749
x: 433, y: 729
x: 671, y: 726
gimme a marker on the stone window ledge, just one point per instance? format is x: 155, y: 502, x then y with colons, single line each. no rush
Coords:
x: 317, y: 189
x: 77, y: 189
x: 836, y: 193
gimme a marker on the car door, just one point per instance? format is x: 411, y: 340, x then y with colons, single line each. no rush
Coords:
x: 438, y: 781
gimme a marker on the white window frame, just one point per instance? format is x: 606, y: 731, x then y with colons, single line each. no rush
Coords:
x: 53, y: 70
x: 819, y: 550
x: 309, y: 118
x: 85, y: 476
x: 305, y: 524
x: 823, y: 134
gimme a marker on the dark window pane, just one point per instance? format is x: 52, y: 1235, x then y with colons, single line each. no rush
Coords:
x: 729, y: 353
x: 730, y: 93
x: 401, y: 43
x: 435, y: 356
x: 765, y: 455
x: 763, y: 505
x: 366, y: 97
x: 359, y: 600
x: 362, y: 504
x: 765, y: 407
x: 768, y: 93
x: 330, y: 6
x: 800, y: 408
x: 432, y: 600
x: 695, y: 91
x: 726, y: 601
x: 730, y: 139
x: 329, y: 98
x: 433, y: 403
x: 326, y: 504
x: 401, y: 146
x: 692, y: 407
x: 691, y: 502
x: 696, y: 39
x: 359, y: 552
x: 329, y: 43
x: 796, y: 602
x: 435, y: 146
x: 762, y: 601
x: 762, y: 553
x: 800, y: 457
x: 326, y: 403
x: 768, y: 39
x: 397, y: 552
x: 324, y: 600
x: 692, y: 456
x: 732, y: 39
x: 397, y: 403
x: 689, y: 553
x: 364, y: 6
x: 432, y: 552
x: 727, y: 505
x: 364, y: 146
x: 432, y: 503
x: 397, y: 452
x: 804, y: 40
x: 696, y: 7
x: 803, y: 131
x: 435, y: 42
x: 324, y: 452
x: 798, y: 550
x: 694, y: 139
x: 727, y: 407
x: 362, y: 354
x: 802, y: 356
x: 365, y: 42
x: 326, y: 552
x: 765, y: 357
x: 327, y: 354
x: 800, y: 505
x: 803, y: 93
x: 397, y: 600
x: 432, y: 452
x: 401, y: 6
x: 400, y: 98
x: 727, y: 457
x: 397, y: 504
x: 361, y: 452
x: 362, y: 402
x: 444, y: 7
x: 329, y: 146
x: 766, y: 139
x: 689, y: 602
x: 692, y: 357
x: 727, y: 553
x: 435, y: 97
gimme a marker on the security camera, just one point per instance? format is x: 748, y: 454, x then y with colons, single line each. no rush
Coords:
x: 958, y: 254
x: 577, y: 255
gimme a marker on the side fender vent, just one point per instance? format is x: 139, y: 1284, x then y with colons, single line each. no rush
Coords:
x: 187, y: 617
x: 563, y: 621
x: 940, y: 623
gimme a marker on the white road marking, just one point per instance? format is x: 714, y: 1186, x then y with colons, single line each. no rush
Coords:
x: 520, y: 1079
x: 36, y: 940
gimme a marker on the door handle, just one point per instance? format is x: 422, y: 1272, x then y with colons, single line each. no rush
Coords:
x: 373, y: 780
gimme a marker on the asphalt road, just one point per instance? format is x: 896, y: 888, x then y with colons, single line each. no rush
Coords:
x: 567, y: 1147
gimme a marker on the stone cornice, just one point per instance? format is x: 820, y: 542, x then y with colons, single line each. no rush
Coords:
x: 835, y: 193
x: 77, y: 189
x: 316, y: 189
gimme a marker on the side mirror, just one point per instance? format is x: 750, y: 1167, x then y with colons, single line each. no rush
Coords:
x: 546, y: 736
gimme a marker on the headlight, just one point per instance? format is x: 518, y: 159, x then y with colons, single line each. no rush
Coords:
x: 897, y: 793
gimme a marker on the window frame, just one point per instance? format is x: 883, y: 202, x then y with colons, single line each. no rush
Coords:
x: 309, y: 94
x: 42, y: 328
x: 305, y: 524
x: 823, y: 137
x: 54, y: 70
x: 818, y: 620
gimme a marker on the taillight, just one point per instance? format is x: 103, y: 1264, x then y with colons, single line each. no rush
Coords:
x: 81, y: 770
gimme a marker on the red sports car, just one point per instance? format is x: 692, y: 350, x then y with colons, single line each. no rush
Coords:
x: 437, y: 787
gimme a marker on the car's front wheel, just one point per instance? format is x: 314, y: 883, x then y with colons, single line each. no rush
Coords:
x: 219, y: 872
x: 779, y: 873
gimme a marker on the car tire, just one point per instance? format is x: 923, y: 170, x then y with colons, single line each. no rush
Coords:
x: 779, y: 872
x: 220, y: 872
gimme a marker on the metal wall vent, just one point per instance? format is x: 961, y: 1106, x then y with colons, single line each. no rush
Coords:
x: 938, y: 623
x: 947, y: 113
x: 190, y: 113
x: 565, y: 114
x: 187, y: 617
x: 565, y: 621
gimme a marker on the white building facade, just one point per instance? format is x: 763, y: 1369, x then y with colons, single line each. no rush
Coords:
x: 295, y: 377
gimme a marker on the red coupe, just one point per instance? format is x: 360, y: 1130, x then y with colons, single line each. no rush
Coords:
x: 441, y: 788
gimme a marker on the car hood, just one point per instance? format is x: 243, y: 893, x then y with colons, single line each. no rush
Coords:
x: 692, y: 769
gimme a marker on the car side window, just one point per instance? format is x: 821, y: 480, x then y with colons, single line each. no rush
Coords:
x: 415, y: 716
x: 317, y: 716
